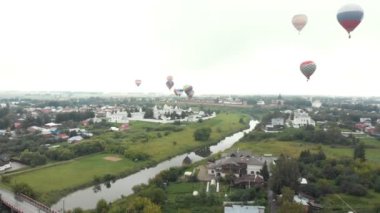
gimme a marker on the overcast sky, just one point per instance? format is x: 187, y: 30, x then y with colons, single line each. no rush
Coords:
x: 219, y: 46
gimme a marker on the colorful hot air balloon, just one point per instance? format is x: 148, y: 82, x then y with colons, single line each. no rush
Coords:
x: 138, y: 82
x: 188, y: 89
x: 350, y: 16
x: 299, y: 21
x: 169, y: 84
x: 190, y: 94
x: 178, y: 92
x: 307, y: 68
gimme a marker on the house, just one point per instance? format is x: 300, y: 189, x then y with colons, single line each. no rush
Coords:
x: 115, y: 129
x: 244, y: 209
x: 3, y: 132
x: 117, y: 117
x: 316, y: 104
x: 365, y: 120
x: 124, y: 127
x: 17, y: 125
x: 4, y: 162
x: 75, y: 139
x: 302, y: 118
x: 243, y: 165
x: 52, y: 125
x: 260, y: 103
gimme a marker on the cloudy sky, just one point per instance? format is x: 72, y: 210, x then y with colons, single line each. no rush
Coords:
x: 218, y: 46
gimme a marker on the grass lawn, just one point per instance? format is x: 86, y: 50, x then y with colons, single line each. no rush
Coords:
x: 183, y: 189
x: 73, y: 174
x: 161, y: 148
x: 366, y: 204
x: 293, y: 149
x: 54, y: 181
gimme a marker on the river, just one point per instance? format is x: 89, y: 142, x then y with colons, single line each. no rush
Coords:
x: 88, y: 198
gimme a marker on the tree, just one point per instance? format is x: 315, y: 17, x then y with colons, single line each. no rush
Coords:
x: 284, y: 173
x: 359, y: 152
x: 292, y: 207
x: 23, y: 188
x: 202, y: 134
x: 377, y: 185
x: 264, y: 171
x: 148, y: 113
x: 102, y: 206
x: 142, y: 205
x: 287, y: 194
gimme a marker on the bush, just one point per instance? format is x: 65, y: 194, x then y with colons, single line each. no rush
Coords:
x: 202, y: 134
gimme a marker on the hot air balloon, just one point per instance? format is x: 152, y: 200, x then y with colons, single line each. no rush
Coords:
x: 190, y: 94
x: 169, y: 84
x: 307, y: 68
x: 188, y: 89
x: 178, y: 92
x: 350, y: 16
x: 299, y: 21
x: 138, y: 82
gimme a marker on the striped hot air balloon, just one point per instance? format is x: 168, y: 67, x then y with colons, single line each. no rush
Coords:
x: 350, y: 16
x: 308, y: 68
x: 299, y: 21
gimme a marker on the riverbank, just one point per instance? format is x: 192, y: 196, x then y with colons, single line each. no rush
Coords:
x: 53, y: 182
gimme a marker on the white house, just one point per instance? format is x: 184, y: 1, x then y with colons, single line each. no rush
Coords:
x: 117, y: 117
x: 75, y: 139
x: 316, y: 104
x: 365, y: 120
x: 4, y: 163
x: 302, y: 118
x: 244, y: 209
x: 260, y: 103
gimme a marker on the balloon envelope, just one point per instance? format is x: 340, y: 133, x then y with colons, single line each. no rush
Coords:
x: 187, y: 88
x: 169, y: 78
x: 190, y: 94
x: 299, y: 21
x: 308, y: 68
x: 138, y: 82
x: 169, y: 84
x: 350, y: 16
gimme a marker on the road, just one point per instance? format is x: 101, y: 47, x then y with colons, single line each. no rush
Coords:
x: 272, y: 202
x: 19, y: 204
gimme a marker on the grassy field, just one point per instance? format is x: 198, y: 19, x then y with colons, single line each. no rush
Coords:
x: 162, y: 148
x: 52, y: 182
x: 345, y: 203
x: 293, y: 149
x: 73, y: 174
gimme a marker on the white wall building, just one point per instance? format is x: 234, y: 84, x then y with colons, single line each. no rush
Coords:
x: 302, y: 118
x: 117, y: 117
x: 316, y: 104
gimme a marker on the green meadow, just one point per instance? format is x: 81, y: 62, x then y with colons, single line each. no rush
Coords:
x: 294, y: 148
